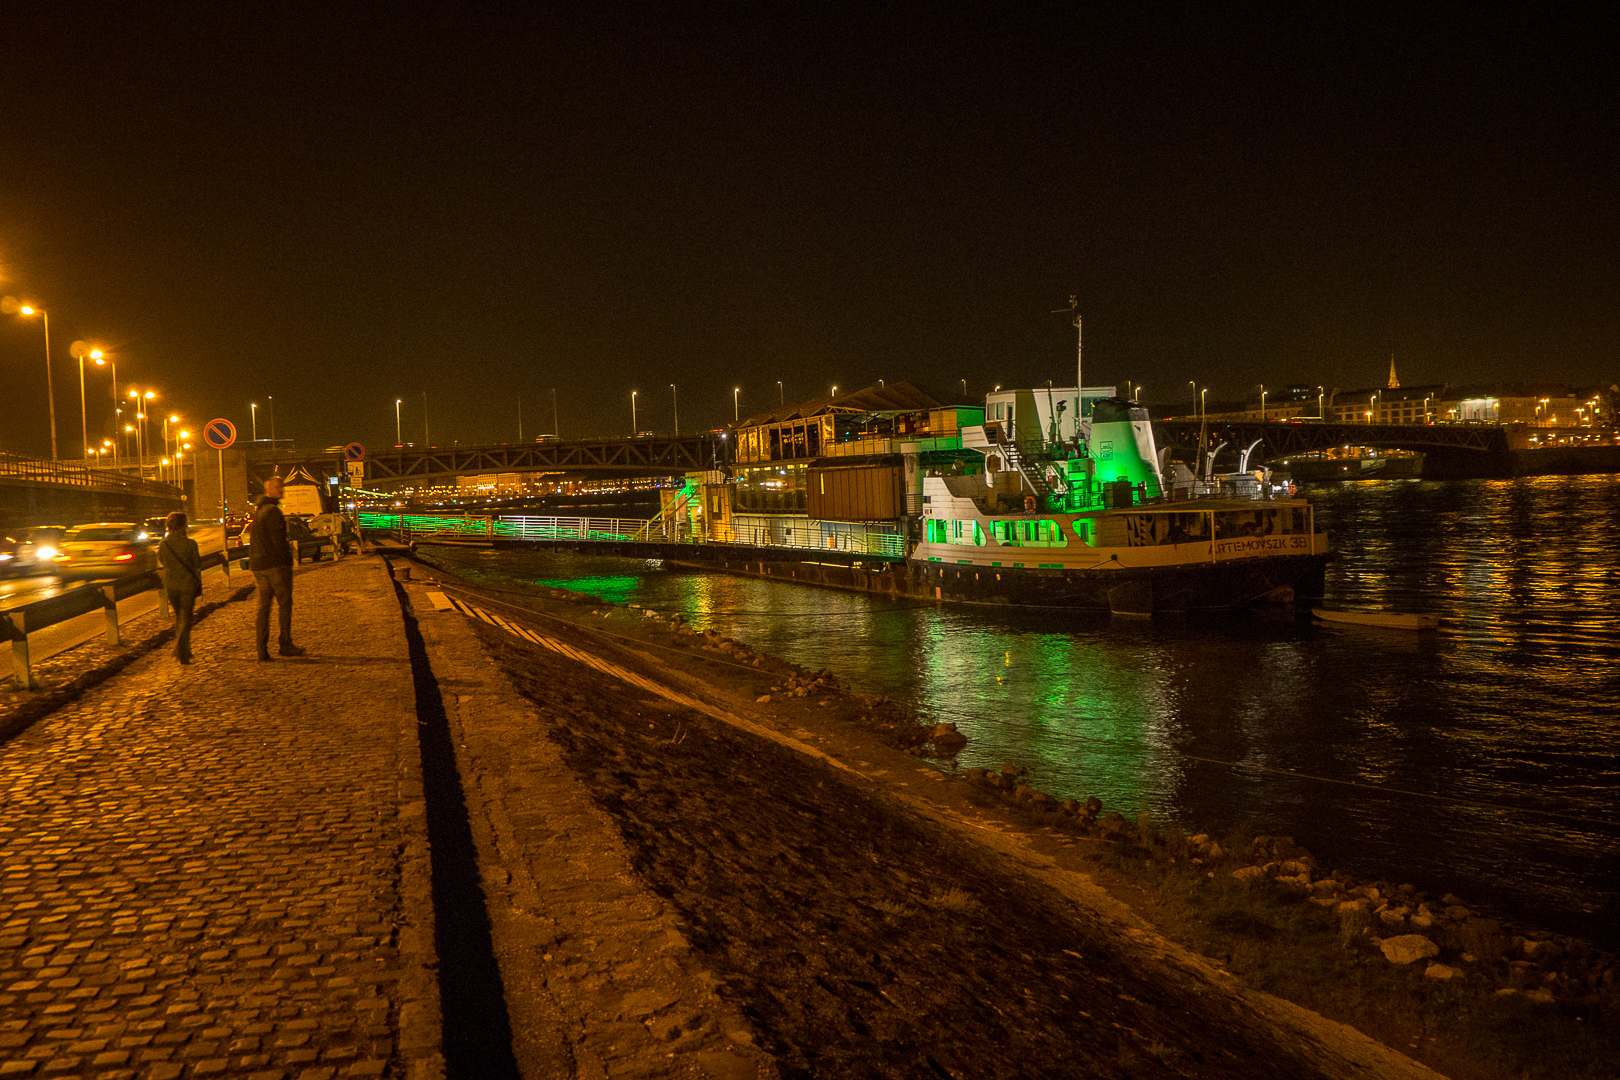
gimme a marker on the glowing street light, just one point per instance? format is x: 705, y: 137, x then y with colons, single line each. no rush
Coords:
x: 735, y: 414
x: 79, y: 350
x: 399, y: 439
x: 633, y: 428
x: 675, y: 403
x: 11, y: 307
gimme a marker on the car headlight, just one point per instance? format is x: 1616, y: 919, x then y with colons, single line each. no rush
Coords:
x: 47, y: 553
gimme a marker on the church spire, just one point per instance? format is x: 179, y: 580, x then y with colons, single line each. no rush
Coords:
x: 1394, y: 382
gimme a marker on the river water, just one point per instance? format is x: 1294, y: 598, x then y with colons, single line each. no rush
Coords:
x: 1481, y: 759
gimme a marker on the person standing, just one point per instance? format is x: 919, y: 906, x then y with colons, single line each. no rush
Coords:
x: 271, y: 563
x: 181, y: 565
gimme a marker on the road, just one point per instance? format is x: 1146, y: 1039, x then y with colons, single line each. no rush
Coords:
x: 18, y: 591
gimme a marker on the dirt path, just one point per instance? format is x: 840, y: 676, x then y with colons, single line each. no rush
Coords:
x: 869, y: 920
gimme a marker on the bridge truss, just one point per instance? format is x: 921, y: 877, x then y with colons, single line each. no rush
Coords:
x: 1280, y: 438
x: 651, y: 456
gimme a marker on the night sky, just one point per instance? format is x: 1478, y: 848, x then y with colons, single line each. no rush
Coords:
x: 341, y: 205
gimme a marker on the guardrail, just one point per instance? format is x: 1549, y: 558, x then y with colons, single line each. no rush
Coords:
x: 622, y: 530
x: 61, y: 472
x: 17, y: 623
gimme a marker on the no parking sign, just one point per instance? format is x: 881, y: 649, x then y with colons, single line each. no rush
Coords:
x: 219, y: 434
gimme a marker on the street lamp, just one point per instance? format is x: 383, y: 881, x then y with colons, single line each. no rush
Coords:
x: 254, y: 405
x: 1321, y: 402
x: 79, y: 350
x: 166, y: 422
x: 10, y: 306
x: 399, y: 440
x: 735, y: 414
x: 1262, y: 403
x: 675, y: 402
x: 1194, y: 384
x: 633, y: 428
x: 781, y: 395
x: 1203, y: 403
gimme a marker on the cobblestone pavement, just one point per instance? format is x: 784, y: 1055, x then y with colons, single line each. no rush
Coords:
x: 218, y: 870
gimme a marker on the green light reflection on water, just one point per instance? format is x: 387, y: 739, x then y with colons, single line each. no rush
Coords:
x: 616, y: 589
x: 1084, y: 717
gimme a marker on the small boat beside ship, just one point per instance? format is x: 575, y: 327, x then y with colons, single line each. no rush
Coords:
x: 1389, y: 620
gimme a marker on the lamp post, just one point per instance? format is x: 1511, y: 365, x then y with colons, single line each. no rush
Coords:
x: 1321, y: 402
x: 399, y: 440
x: 254, y: 406
x: 1262, y: 403
x: 11, y: 306
x: 1203, y: 403
x: 781, y: 394
x: 79, y: 350
x: 166, y: 422
x: 736, y: 415
x: 270, y: 399
x: 675, y: 403
x: 1194, y: 384
x: 633, y: 428
x: 110, y: 362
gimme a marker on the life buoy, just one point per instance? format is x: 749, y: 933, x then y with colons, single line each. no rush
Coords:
x: 1029, y: 503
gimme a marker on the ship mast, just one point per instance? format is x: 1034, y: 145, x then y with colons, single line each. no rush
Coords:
x: 1079, y: 354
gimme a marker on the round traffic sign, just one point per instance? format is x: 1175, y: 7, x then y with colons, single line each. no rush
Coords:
x: 219, y: 434
x: 354, y: 452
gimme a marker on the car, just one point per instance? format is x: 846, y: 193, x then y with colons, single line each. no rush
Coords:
x: 38, y: 550
x: 106, y: 549
x: 309, y: 542
x: 8, y: 556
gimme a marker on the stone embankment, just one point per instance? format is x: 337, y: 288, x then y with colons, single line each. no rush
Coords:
x: 1444, y: 936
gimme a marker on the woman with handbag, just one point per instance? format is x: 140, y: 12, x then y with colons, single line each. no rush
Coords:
x: 182, y: 579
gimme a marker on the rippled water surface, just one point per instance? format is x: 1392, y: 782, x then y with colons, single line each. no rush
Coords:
x: 1481, y: 759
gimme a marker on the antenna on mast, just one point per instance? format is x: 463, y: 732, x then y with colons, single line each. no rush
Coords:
x: 1079, y: 352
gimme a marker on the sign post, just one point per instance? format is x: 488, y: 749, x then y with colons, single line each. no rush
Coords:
x: 355, y: 455
x: 220, y: 434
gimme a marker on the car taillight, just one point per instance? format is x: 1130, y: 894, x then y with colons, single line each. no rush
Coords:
x: 124, y: 556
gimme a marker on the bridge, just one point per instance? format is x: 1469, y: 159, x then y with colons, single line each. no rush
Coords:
x: 607, y: 458
x: 1280, y: 438
x: 38, y: 492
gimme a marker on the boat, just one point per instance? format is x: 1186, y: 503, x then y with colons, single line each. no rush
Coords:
x: 1392, y: 620
x: 1074, y: 507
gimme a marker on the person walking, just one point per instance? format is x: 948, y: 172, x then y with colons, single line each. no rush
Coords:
x: 271, y: 563
x: 181, y: 565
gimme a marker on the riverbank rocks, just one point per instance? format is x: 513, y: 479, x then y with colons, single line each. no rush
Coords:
x: 1408, y: 948
x: 1250, y: 875
x: 1442, y: 971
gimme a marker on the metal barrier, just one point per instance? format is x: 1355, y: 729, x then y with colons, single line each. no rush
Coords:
x: 659, y: 530
x: 19, y: 622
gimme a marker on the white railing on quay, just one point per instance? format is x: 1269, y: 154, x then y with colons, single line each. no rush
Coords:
x: 659, y: 530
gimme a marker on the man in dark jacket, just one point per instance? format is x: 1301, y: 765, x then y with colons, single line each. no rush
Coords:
x: 271, y: 563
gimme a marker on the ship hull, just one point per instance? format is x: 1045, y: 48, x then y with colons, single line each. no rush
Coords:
x: 1203, y: 586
